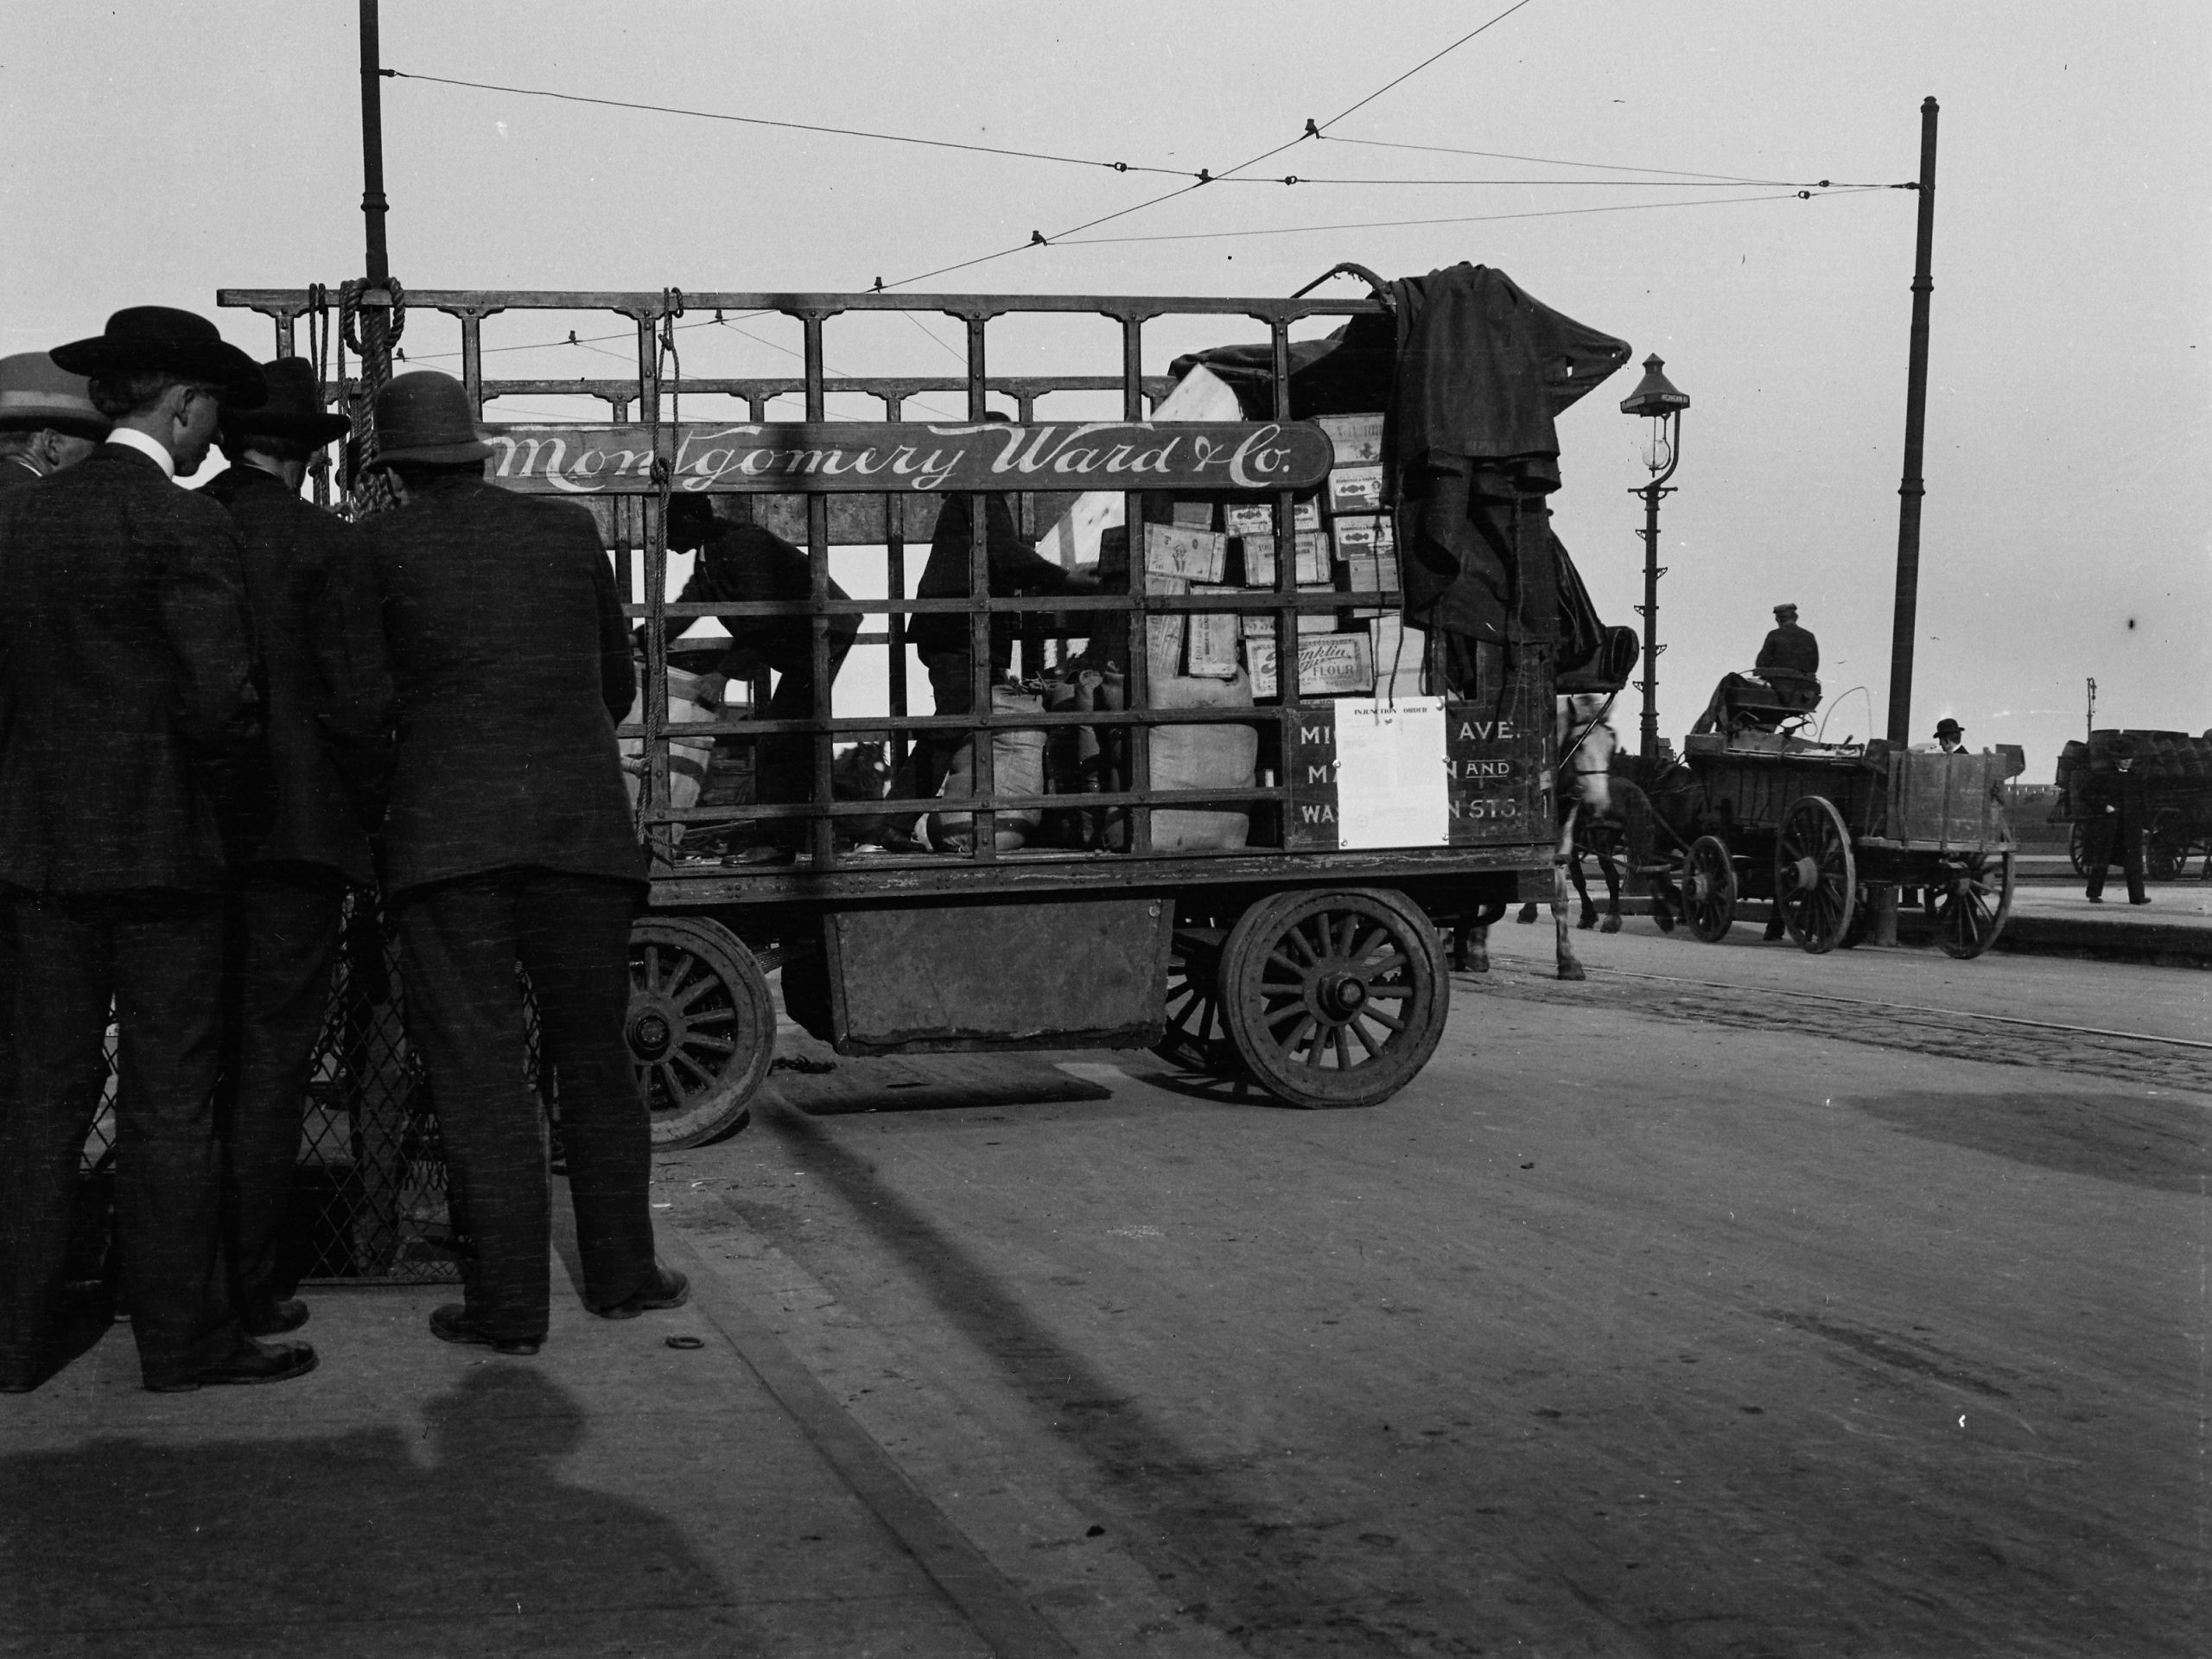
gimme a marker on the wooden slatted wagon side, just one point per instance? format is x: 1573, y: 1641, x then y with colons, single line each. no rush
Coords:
x: 1811, y: 827
x: 1302, y: 952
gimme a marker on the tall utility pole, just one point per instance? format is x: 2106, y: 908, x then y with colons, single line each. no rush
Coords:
x: 1912, y: 488
x: 376, y: 318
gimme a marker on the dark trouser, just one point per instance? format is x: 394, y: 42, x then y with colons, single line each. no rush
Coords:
x: 284, y: 944
x: 2111, y: 835
x: 459, y: 944
x: 159, y: 958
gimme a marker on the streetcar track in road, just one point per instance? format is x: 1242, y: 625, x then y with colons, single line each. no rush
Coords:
x: 2132, y: 1057
x: 1916, y: 1007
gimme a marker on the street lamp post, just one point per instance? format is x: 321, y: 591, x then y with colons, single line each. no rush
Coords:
x: 1655, y: 400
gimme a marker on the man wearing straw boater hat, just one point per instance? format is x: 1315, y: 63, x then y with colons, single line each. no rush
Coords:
x: 126, y: 701
x: 47, y: 419
x: 508, y: 841
x: 298, y: 842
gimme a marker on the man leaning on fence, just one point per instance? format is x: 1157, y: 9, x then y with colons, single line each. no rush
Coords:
x: 298, y: 841
x: 491, y: 623
x: 126, y: 700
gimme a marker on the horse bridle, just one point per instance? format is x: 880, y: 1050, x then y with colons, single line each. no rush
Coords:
x: 1582, y: 736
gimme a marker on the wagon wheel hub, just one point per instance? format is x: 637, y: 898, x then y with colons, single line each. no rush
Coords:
x: 1804, y: 873
x: 650, y: 1036
x: 1341, y: 995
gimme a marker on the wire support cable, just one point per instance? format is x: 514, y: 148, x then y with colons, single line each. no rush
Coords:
x: 794, y: 126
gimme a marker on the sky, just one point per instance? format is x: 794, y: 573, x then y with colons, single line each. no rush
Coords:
x: 162, y: 151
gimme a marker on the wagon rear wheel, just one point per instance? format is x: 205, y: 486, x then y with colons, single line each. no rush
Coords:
x: 701, y: 1030
x: 1334, y: 999
x: 2077, y: 846
x: 1971, y: 911
x: 1196, y: 1038
x: 1709, y: 889
x: 1815, y: 878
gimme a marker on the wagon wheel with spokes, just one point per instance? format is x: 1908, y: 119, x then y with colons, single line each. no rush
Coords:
x: 1334, y: 999
x: 1709, y: 889
x: 1815, y: 877
x: 1196, y: 1038
x: 2077, y: 846
x: 701, y: 1028
x: 1972, y: 909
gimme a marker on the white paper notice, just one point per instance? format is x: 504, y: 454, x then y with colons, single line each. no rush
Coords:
x: 1390, y: 774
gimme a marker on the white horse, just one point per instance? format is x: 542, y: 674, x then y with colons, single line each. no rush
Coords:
x: 1583, y: 741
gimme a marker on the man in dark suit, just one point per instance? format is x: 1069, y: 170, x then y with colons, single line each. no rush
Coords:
x: 2119, y: 815
x: 740, y: 563
x: 126, y: 655
x: 508, y: 841
x: 297, y: 841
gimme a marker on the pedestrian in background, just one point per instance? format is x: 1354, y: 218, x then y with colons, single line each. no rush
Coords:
x: 508, y: 842
x: 127, y: 703
x: 47, y: 419
x: 297, y: 841
x: 2117, y: 817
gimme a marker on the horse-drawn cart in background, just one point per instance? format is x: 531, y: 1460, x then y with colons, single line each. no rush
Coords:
x: 1767, y: 815
x: 1273, y: 788
x: 2176, y: 773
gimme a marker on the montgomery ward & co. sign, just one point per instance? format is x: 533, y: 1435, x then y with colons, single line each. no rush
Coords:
x: 882, y: 456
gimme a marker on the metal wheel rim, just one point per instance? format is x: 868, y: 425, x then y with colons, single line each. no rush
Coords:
x: 1334, y: 999
x: 2077, y: 848
x: 1709, y: 889
x: 700, y: 1028
x: 1815, y: 877
x: 1966, y: 922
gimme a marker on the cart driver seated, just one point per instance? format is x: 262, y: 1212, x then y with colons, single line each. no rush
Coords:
x: 740, y: 563
x: 1784, y: 682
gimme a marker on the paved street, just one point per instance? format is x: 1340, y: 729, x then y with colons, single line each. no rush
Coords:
x: 1719, y: 1306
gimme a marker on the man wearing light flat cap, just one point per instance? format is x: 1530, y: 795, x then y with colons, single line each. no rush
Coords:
x: 47, y: 419
x: 298, y: 840
x: 126, y: 701
x: 508, y: 841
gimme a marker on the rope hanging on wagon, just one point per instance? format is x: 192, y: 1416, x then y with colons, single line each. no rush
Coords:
x: 372, y: 491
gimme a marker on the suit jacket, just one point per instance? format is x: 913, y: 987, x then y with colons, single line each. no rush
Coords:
x: 503, y: 665
x: 1018, y: 570
x: 126, y: 689
x: 1792, y: 651
x: 739, y: 564
x: 302, y: 809
x: 14, y: 474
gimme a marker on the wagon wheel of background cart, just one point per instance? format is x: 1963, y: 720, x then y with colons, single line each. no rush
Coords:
x: 2077, y: 846
x: 1815, y: 878
x: 701, y: 1028
x: 2165, y: 847
x: 1709, y: 889
x: 1196, y: 1038
x: 1334, y: 999
x: 1970, y: 911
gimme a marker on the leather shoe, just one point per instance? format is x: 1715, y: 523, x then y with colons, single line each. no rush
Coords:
x: 666, y: 1288
x: 451, y: 1323
x: 250, y: 1362
x: 275, y: 1318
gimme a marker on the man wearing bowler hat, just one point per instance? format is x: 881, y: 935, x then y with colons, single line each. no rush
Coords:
x: 47, y: 419
x: 127, y: 703
x: 298, y: 840
x: 508, y: 841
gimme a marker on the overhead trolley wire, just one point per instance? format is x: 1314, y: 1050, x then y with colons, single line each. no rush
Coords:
x: 794, y: 126
x: 1543, y: 161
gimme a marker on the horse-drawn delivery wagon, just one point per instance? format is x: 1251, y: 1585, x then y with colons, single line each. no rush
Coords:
x: 2176, y: 770
x: 1763, y: 814
x: 1232, y: 787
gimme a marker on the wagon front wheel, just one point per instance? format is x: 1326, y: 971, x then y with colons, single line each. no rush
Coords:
x: 700, y: 1029
x: 1709, y: 889
x: 1334, y: 999
x: 1815, y: 878
x: 1970, y: 911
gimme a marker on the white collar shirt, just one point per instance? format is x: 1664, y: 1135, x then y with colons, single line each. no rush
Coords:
x: 131, y: 438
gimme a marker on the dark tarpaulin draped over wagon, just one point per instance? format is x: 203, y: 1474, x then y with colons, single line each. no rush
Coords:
x: 1471, y: 374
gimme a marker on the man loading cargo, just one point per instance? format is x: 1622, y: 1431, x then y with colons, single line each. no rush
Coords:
x: 741, y: 564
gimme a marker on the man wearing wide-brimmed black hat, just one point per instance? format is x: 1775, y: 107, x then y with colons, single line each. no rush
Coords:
x: 508, y: 841
x: 47, y: 419
x: 126, y: 693
x: 299, y: 841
